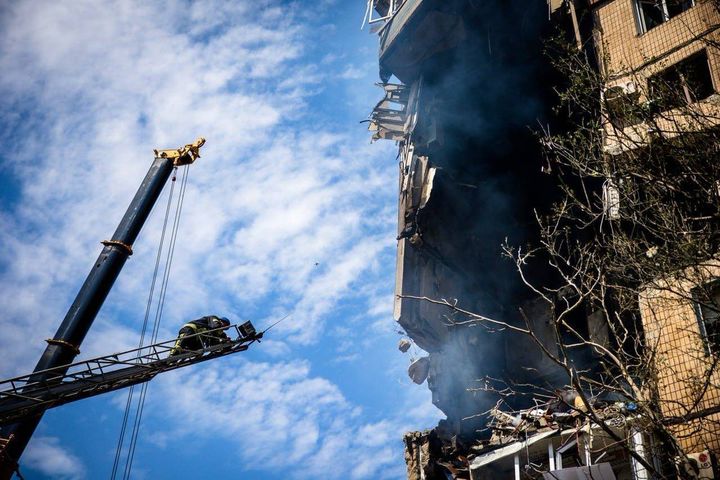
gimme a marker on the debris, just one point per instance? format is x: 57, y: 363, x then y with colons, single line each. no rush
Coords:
x: 389, y: 116
x: 404, y: 345
x: 409, y: 230
x: 419, y: 369
x: 441, y: 454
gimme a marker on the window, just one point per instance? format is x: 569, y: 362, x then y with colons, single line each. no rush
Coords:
x: 707, y: 309
x: 686, y: 82
x: 651, y: 13
x: 622, y: 105
x: 385, y: 8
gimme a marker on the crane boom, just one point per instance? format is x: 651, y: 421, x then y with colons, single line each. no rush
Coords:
x: 65, y: 344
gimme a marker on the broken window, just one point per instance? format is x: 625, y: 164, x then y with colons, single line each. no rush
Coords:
x: 686, y: 82
x: 651, y: 13
x: 385, y: 8
x: 389, y: 116
x: 622, y: 104
x: 707, y: 309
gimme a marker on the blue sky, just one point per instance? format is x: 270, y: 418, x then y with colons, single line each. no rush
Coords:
x: 289, y: 210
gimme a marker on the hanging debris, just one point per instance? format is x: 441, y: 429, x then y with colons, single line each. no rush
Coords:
x: 388, y: 118
x: 419, y: 369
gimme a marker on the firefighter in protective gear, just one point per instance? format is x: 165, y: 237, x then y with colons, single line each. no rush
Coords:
x: 203, y: 340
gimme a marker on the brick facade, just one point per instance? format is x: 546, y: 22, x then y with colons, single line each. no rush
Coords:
x: 628, y: 57
x: 688, y: 380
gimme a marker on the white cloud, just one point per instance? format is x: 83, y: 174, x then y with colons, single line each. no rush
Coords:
x: 47, y: 456
x: 283, y: 214
x: 97, y: 87
x: 281, y: 417
x: 275, y: 348
x: 352, y: 72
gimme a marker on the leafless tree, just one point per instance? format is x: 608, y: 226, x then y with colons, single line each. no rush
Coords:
x: 633, y: 240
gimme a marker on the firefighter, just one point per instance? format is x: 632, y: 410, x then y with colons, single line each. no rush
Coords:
x: 199, y: 326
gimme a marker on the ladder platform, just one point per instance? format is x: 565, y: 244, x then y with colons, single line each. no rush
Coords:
x: 32, y: 394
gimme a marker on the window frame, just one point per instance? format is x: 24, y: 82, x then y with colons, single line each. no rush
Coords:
x: 684, y: 69
x: 640, y: 21
x: 711, y: 347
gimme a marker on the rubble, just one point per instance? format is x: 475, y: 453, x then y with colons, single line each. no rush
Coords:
x: 419, y: 369
x: 404, y: 345
x: 417, y: 455
x: 554, y: 427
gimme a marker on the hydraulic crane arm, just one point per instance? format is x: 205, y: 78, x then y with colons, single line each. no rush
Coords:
x: 21, y: 397
x: 65, y: 344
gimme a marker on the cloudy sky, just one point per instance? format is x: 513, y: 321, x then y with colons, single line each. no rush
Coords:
x: 289, y: 210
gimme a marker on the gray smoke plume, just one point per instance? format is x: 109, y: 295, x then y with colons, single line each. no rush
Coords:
x: 480, y: 100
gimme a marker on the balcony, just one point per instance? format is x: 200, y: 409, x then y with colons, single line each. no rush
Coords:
x: 411, y: 31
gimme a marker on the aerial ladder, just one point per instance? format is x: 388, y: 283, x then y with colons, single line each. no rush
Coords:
x: 22, y: 396
x: 57, y: 379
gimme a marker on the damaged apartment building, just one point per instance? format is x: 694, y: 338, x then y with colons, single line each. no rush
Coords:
x: 466, y: 88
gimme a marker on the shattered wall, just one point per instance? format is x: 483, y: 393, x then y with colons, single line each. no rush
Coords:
x: 470, y: 176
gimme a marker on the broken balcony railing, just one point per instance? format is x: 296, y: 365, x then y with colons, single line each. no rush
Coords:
x: 388, y: 118
x: 23, y: 396
x: 385, y: 8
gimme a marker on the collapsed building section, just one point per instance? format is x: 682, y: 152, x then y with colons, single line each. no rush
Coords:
x: 464, y: 91
x: 465, y: 83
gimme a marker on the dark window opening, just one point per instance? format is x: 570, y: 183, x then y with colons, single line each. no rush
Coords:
x: 707, y: 309
x: 622, y: 107
x: 652, y: 13
x: 676, y: 7
x: 382, y: 7
x: 686, y: 82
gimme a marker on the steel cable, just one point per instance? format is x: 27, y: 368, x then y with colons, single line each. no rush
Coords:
x: 156, y: 324
x: 130, y: 396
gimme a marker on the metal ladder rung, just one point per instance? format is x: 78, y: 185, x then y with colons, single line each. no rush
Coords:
x: 4, y: 443
x: 70, y: 386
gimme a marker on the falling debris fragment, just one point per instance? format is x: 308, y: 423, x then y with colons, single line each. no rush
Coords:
x: 419, y: 369
x: 404, y: 345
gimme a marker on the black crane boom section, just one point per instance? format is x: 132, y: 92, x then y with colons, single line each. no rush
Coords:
x: 65, y: 344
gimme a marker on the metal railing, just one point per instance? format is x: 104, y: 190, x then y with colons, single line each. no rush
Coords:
x: 375, y: 5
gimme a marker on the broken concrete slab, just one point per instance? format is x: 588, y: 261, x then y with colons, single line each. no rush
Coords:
x: 419, y: 369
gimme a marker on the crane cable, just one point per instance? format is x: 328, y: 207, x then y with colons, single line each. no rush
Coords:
x: 155, y: 329
x: 131, y: 390
x: 158, y: 317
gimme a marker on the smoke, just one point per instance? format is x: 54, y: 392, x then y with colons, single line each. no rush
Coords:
x: 480, y: 102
